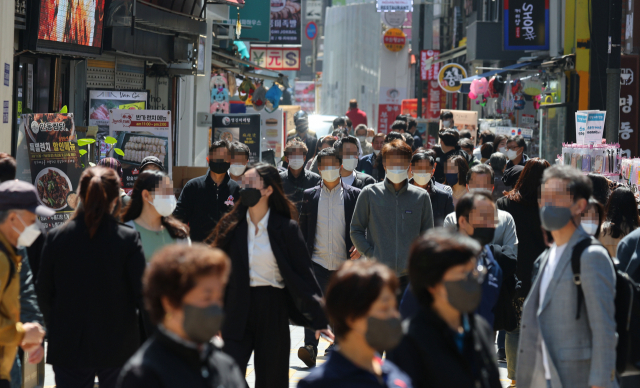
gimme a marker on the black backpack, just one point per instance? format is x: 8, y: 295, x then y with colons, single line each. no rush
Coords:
x: 627, y: 305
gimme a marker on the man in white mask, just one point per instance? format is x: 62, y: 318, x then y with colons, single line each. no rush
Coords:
x: 422, y: 168
x: 297, y: 179
x: 447, y: 120
x: 18, y: 209
x: 325, y: 218
x: 239, y: 158
x: 390, y: 214
x: 347, y: 148
x: 361, y: 134
x: 516, y: 146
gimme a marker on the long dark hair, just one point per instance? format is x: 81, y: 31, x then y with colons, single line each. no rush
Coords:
x: 622, y: 213
x: 528, y: 185
x: 463, y: 168
x: 150, y: 180
x: 278, y: 203
x: 98, y: 188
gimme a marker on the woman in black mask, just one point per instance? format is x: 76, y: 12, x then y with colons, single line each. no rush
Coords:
x: 184, y: 290
x: 272, y: 281
x: 361, y: 303
x: 446, y: 345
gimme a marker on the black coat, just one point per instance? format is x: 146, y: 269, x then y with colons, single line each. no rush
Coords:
x: 441, y: 202
x: 429, y: 355
x: 530, y: 238
x: 309, y: 214
x: 90, y: 292
x: 362, y: 180
x: 164, y: 363
x: 294, y: 187
x: 202, y: 203
x: 294, y: 262
x: 442, y: 160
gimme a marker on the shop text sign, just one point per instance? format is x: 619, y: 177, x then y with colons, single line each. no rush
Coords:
x: 428, y: 69
x: 451, y: 76
x: 257, y: 16
x: 286, y: 26
x: 276, y: 58
x: 394, y: 5
x: 628, y: 133
x: 394, y: 39
x: 526, y: 24
x: 590, y: 126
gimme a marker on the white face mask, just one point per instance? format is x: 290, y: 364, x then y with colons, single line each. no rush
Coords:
x: 503, y: 150
x: 164, y: 204
x: 590, y: 227
x: 296, y: 162
x: 422, y: 178
x: 446, y: 123
x: 369, y: 139
x: 511, y: 154
x: 397, y: 174
x: 28, y: 235
x: 237, y: 169
x: 376, y: 152
x: 330, y: 174
x: 362, y: 138
x: 350, y: 164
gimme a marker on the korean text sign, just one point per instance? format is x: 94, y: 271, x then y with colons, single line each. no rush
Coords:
x: 242, y: 127
x: 595, y: 127
x: 286, y: 26
x: 526, y: 24
x: 257, y: 16
x: 429, y: 73
x: 628, y: 133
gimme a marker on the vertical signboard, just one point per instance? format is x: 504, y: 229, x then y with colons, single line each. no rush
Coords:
x: 390, y: 107
x: 305, y: 95
x: 242, y: 127
x: 285, y: 22
x: 436, y: 99
x: 54, y: 161
x: 140, y: 134
x: 526, y: 24
x: 428, y: 71
x: 629, y: 94
x: 257, y: 16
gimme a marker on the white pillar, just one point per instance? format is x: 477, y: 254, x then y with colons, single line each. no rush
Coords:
x: 7, y: 12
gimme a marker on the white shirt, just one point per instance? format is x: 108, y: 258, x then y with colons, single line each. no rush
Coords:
x: 330, y: 248
x: 555, y: 253
x: 348, y: 180
x: 263, y: 268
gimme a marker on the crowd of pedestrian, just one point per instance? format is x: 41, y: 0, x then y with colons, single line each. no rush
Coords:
x: 473, y: 246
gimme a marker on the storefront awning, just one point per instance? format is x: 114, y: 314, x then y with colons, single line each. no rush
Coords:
x: 451, y: 54
x: 233, y: 3
x: 282, y: 79
x: 466, y: 83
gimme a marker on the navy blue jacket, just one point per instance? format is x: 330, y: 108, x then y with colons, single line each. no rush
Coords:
x: 309, y: 214
x: 441, y: 202
x: 365, y: 164
x: 339, y: 372
x: 628, y: 255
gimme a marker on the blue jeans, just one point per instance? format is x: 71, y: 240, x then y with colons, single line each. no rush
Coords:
x: 16, y: 372
x: 501, y: 335
x: 511, y: 349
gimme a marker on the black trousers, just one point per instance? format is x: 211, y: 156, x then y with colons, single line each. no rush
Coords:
x: 267, y: 336
x: 403, y: 282
x: 67, y: 377
x: 322, y: 275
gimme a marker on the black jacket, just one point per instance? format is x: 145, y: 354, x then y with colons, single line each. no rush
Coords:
x: 362, y: 180
x: 442, y: 160
x: 90, y: 292
x: 429, y: 355
x: 34, y: 251
x: 202, y: 203
x: 441, y: 202
x: 294, y: 262
x: 309, y: 214
x: 164, y: 363
x: 310, y: 139
x: 294, y: 187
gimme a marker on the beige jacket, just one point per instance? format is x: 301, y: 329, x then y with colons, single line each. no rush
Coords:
x: 11, y: 331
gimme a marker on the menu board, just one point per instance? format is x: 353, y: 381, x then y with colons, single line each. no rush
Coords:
x: 140, y: 134
x: 102, y: 101
x: 54, y: 161
x: 242, y: 127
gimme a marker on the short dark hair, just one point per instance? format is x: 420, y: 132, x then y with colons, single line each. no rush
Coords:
x: 329, y: 139
x: 348, y: 122
x: 7, y: 167
x: 418, y: 156
x: 353, y: 103
x: 601, y: 190
x: 399, y: 125
x: 328, y: 152
x: 449, y: 137
x: 464, y: 134
x: 480, y: 169
x: 338, y: 121
x: 498, y: 139
x: 391, y: 136
x: 519, y: 141
x: 408, y: 139
x: 579, y: 185
x: 486, y: 150
x: 466, y: 144
x: 486, y: 136
x: 401, y: 118
x: 498, y: 161
x: 218, y: 144
x: 173, y: 272
x: 433, y: 254
x: 360, y: 127
x: 446, y: 115
x: 353, y: 288
x: 468, y: 202
x: 296, y: 143
x: 396, y: 147
x: 411, y: 122
x: 339, y: 144
x: 237, y: 148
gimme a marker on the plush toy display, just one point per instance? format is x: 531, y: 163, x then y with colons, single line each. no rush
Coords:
x: 219, y: 93
x: 273, y: 96
x: 478, y: 88
x: 246, y: 89
x: 259, y: 98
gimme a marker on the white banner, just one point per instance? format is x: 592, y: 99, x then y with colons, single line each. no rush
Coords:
x: 394, y: 5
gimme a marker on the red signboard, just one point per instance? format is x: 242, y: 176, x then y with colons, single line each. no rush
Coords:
x: 387, y: 114
x: 429, y: 73
x: 628, y: 133
x: 437, y: 100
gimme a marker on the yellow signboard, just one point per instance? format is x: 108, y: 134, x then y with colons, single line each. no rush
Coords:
x: 450, y: 76
x: 394, y: 39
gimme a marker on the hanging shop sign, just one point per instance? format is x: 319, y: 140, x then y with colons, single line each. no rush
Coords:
x: 313, y: 10
x: 436, y: 100
x: 428, y: 69
x: 140, y: 133
x: 394, y: 5
x: 526, y: 24
x: 54, y: 161
x: 242, y: 127
x: 629, y: 91
x: 276, y: 58
x: 257, y: 16
x: 450, y: 77
x: 286, y: 25
x: 390, y: 106
x: 394, y: 39
x: 305, y: 95
x: 394, y: 19
x: 102, y: 101
x: 71, y: 26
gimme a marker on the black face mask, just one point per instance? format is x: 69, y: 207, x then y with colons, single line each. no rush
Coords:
x: 483, y: 235
x: 383, y: 334
x: 250, y: 197
x: 202, y: 323
x: 219, y: 167
x: 464, y: 295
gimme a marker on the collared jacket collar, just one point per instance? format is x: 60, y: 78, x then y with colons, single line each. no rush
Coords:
x: 389, y: 186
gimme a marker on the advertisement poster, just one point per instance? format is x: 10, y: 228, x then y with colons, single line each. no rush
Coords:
x: 54, y: 162
x: 581, y: 126
x: 276, y: 58
x: 67, y: 21
x: 629, y: 92
x: 140, y: 134
x: 257, y: 16
x: 103, y: 101
x: 526, y: 25
x: 244, y: 127
x: 390, y: 107
x: 305, y: 95
x: 286, y: 26
x: 271, y: 131
x: 394, y: 5
x: 595, y: 127
x: 429, y: 70
x: 464, y: 119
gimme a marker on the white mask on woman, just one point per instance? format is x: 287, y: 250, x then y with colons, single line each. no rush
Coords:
x: 164, y: 204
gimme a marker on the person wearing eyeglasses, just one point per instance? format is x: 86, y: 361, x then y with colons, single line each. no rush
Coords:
x: 446, y: 344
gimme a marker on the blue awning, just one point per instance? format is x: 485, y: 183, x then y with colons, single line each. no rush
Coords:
x: 466, y: 83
